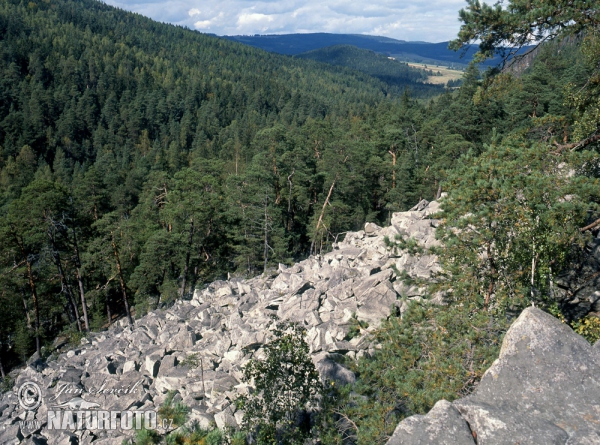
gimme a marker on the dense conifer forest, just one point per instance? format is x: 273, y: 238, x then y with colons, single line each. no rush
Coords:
x: 390, y: 71
x: 140, y: 160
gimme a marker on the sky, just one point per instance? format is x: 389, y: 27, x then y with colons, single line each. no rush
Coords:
x: 429, y: 21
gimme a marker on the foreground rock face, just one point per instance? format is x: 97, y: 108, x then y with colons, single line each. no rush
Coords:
x: 198, y: 348
x: 544, y: 389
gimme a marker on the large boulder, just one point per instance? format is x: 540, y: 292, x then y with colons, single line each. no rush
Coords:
x: 443, y: 425
x: 543, y: 389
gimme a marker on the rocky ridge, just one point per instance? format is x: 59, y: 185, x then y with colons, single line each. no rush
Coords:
x: 198, y: 348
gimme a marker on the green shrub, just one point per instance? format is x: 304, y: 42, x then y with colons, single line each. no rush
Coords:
x: 144, y: 436
x: 24, y: 342
x: 431, y: 353
x: 176, y: 413
x: 191, y: 361
x: 6, y: 384
x: 287, y: 384
x: 588, y: 327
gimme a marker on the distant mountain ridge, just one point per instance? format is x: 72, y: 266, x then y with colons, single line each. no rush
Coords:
x: 424, y: 52
x: 392, y: 72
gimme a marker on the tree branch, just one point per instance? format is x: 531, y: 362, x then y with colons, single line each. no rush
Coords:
x: 576, y: 145
x: 590, y: 226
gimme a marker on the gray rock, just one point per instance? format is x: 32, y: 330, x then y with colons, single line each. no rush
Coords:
x: 332, y: 371
x: 377, y: 304
x: 225, y: 419
x: 443, y: 425
x: 543, y: 389
x: 10, y: 434
x: 371, y: 229
x: 203, y: 420
x: 543, y: 367
x: 152, y: 364
x: 225, y: 325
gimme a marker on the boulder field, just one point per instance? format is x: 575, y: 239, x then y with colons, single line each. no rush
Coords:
x: 544, y: 388
x: 197, y: 348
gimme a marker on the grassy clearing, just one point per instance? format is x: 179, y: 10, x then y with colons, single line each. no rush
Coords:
x: 447, y: 73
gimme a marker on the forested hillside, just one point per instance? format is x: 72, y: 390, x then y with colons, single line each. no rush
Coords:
x: 141, y: 160
x: 390, y: 71
x: 421, y: 52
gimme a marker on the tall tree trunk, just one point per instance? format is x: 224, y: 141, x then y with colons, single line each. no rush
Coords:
x: 86, y: 319
x: 36, y: 307
x: 162, y: 280
x: 392, y: 151
x: 289, y: 209
x: 186, y: 266
x: 2, y: 373
x: 108, y: 311
x: 25, y: 307
x: 51, y: 232
x: 67, y: 288
x: 312, y: 245
x: 490, y: 290
x: 266, y: 244
x: 121, y: 280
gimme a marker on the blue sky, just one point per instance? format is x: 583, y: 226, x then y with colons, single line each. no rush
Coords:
x: 431, y: 21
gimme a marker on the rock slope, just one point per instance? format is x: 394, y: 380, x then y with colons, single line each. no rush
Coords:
x: 198, y: 348
x: 544, y: 389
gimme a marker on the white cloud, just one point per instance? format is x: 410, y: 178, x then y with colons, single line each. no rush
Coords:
x: 202, y: 24
x: 432, y: 21
x: 253, y: 19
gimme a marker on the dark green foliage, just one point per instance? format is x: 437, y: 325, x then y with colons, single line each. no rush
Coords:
x: 390, y: 71
x: 504, y: 27
x: 287, y: 385
x: 140, y: 160
x: 432, y: 353
x: 511, y: 221
x: 144, y: 437
x: 23, y: 343
x: 174, y: 413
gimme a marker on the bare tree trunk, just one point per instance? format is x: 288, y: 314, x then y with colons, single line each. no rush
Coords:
x: 312, y: 245
x: 533, y: 266
x: 67, y: 288
x: 51, y: 232
x: 86, y: 319
x: 108, y: 311
x: 2, y: 373
x: 289, y: 209
x: 591, y: 226
x: 393, y: 153
x: 162, y: 280
x: 490, y: 290
x: 36, y: 307
x: 266, y: 246
x: 186, y: 267
x: 25, y: 307
x: 121, y: 280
